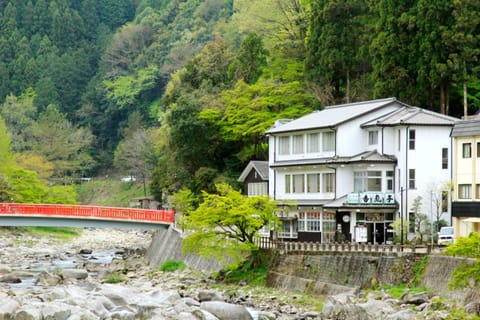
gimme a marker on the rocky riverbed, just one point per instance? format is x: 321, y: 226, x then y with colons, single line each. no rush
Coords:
x: 42, y: 278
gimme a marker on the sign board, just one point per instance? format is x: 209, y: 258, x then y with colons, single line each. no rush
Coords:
x: 361, y: 233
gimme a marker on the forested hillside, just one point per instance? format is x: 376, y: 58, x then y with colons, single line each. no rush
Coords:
x: 185, y: 89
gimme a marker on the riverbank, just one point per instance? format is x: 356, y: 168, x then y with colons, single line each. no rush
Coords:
x: 44, y: 278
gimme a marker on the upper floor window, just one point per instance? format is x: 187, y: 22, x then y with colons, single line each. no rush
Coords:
x: 411, y: 139
x: 411, y: 179
x: 328, y: 182
x: 364, y: 181
x: 478, y: 149
x: 315, y: 183
x: 466, y: 150
x: 464, y: 191
x: 328, y: 141
x: 298, y: 183
x: 284, y: 145
x: 313, y: 142
x: 372, y: 137
x: 444, y: 158
x: 298, y: 144
x: 389, y: 175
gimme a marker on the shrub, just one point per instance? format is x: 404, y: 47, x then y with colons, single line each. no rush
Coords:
x: 115, y: 277
x: 172, y: 265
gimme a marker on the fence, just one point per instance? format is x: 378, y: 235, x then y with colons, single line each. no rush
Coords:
x: 287, y: 246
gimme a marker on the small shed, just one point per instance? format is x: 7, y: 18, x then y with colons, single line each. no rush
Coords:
x: 254, y: 178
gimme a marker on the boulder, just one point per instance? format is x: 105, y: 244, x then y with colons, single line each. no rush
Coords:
x: 77, y: 274
x: 56, y: 311
x: 8, y: 307
x: 226, y: 311
x: 10, y: 278
x: 405, y: 314
x: 209, y: 296
x: 336, y: 308
x: 28, y: 313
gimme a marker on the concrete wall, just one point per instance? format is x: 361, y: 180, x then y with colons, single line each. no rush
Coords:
x: 166, y: 245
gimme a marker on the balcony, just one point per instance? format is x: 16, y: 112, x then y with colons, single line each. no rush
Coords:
x: 371, y: 198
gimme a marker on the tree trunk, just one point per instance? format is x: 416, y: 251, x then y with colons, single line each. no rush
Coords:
x: 442, y: 99
x: 465, y: 111
x: 347, y: 89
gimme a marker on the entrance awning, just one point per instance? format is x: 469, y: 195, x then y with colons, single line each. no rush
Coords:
x: 471, y: 220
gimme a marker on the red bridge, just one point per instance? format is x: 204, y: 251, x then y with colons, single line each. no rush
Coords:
x: 21, y: 214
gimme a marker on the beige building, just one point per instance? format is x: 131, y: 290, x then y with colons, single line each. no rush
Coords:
x: 466, y: 177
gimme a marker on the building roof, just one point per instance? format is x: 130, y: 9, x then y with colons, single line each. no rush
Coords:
x: 408, y: 115
x: 364, y: 157
x: 331, y: 116
x: 260, y: 166
x: 466, y: 128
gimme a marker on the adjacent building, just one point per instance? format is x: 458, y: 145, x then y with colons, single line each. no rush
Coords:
x: 348, y: 171
x: 466, y: 177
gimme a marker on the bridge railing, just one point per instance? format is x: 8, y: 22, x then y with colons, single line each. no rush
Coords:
x: 94, y: 212
x: 288, y: 246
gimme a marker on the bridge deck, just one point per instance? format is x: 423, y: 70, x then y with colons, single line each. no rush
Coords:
x: 60, y: 214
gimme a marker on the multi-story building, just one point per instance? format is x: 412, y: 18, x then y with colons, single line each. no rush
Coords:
x: 466, y: 177
x: 348, y: 171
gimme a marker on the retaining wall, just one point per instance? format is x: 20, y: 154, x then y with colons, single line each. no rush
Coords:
x: 166, y: 245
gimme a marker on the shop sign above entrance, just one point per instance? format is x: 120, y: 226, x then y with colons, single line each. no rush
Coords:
x: 370, y: 198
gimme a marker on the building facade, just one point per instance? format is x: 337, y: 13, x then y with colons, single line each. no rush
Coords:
x: 345, y: 173
x: 466, y: 177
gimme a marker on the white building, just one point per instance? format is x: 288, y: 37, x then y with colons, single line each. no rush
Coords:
x: 348, y: 171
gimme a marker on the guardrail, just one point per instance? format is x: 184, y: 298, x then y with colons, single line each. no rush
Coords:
x: 287, y: 246
x: 93, y: 212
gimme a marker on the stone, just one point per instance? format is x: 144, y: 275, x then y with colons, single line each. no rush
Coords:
x: 77, y: 274
x: 191, y: 302
x: 405, y: 314
x: 10, y: 278
x: 343, y: 308
x: 8, y: 307
x: 4, y: 269
x: 48, y: 280
x: 226, y: 311
x: 56, y: 311
x: 203, y: 315
x: 416, y: 298
x: 473, y: 308
x: 209, y: 296
x: 28, y: 313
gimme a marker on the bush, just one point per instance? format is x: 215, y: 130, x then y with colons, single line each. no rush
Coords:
x: 115, y: 277
x: 172, y: 265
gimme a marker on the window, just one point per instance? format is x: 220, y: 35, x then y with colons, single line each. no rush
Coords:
x: 313, y: 142
x: 367, y: 181
x: 372, y: 137
x: 464, y: 191
x: 411, y: 178
x: 298, y: 144
x: 298, y: 183
x: 478, y: 149
x: 257, y: 189
x: 313, y: 182
x: 477, y: 191
x: 328, y: 182
x: 444, y: 158
x: 399, y: 139
x: 411, y: 139
x: 309, y: 221
x: 389, y: 175
x: 328, y: 141
x: 466, y: 150
x: 284, y: 145
x: 288, y: 183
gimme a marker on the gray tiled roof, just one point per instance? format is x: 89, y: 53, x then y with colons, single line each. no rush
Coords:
x: 408, y: 115
x: 260, y: 166
x: 466, y: 128
x: 332, y: 115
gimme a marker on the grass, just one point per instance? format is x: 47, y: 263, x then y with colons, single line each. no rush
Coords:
x: 58, y: 233
x: 114, y: 277
x: 172, y: 265
x: 398, y: 291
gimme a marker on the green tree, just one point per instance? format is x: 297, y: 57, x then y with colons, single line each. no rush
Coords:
x: 250, y: 59
x: 226, y: 224
x: 466, y: 275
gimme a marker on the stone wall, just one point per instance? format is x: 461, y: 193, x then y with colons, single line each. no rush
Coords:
x: 166, y: 245
x: 328, y: 273
x: 331, y: 272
